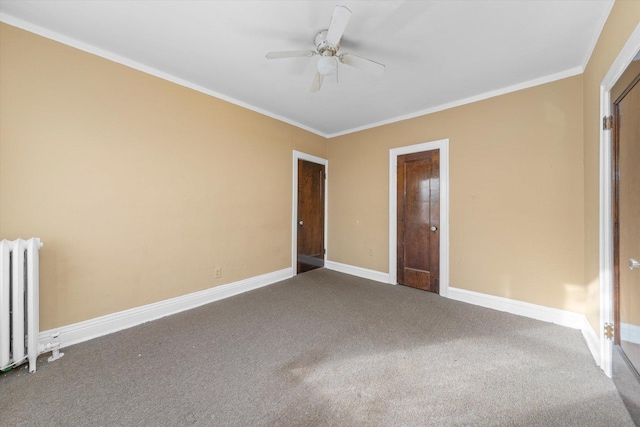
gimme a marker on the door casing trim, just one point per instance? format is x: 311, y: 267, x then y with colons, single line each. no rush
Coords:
x: 443, y: 146
x: 624, y: 58
x: 299, y: 155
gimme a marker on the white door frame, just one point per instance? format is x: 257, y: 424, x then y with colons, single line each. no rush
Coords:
x: 626, y: 55
x: 299, y: 155
x: 443, y: 146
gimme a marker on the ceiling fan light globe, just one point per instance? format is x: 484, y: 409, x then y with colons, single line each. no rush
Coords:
x: 326, y: 65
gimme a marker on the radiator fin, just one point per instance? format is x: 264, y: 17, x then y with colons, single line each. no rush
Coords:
x: 19, y: 302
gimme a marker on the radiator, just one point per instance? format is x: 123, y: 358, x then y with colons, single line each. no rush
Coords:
x: 19, y: 303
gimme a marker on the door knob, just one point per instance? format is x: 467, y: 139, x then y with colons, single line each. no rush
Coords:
x: 634, y: 264
x: 300, y: 222
x: 434, y: 228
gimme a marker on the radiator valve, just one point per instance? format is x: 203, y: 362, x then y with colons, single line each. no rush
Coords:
x: 54, y: 347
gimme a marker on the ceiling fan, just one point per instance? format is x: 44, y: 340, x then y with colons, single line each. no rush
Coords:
x: 327, y: 44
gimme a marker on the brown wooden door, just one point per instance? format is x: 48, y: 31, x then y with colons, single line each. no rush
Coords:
x: 419, y: 220
x: 310, y: 251
x: 626, y: 216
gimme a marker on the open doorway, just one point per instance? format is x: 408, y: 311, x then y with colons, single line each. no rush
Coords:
x: 625, y: 95
x: 619, y: 224
x: 309, y: 231
x: 626, y: 215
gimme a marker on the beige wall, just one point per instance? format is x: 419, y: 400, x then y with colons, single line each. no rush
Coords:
x: 518, y: 238
x: 624, y: 18
x: 138, y: 187
x: 516, y: 193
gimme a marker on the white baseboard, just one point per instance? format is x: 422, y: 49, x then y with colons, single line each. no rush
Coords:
x: 533, y: 311
x: 520, y: 308
x: 365, y: 273
x: 592, y: 339
x: 93, y: 328
x: 630, y: 333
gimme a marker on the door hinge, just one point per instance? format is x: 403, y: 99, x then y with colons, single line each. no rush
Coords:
x: 325, y: 251
x: 608, y: 331
x: 607, y: 122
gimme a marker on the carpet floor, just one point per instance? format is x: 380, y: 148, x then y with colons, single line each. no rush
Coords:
x: 322, y: 349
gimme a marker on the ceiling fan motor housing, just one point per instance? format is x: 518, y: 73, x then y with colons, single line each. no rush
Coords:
x: 327, y: 43
x: 323, y: 47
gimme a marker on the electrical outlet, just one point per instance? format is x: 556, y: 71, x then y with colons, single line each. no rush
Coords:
x: 218, y: 272
x: 370, y: 252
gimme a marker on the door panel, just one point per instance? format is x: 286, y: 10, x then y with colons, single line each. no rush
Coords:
x: 310, y: 250
x: 419, y: 220
x: 627, y: 220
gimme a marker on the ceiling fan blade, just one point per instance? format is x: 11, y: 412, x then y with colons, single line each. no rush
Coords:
x: 290, y: 54
x: 339, y: 21
x: 372, y: 67
x: 317, y: 82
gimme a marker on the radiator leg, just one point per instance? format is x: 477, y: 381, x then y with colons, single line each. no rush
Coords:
x: 32, y: 362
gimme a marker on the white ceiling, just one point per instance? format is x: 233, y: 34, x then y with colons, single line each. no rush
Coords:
x: 437, y: 53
